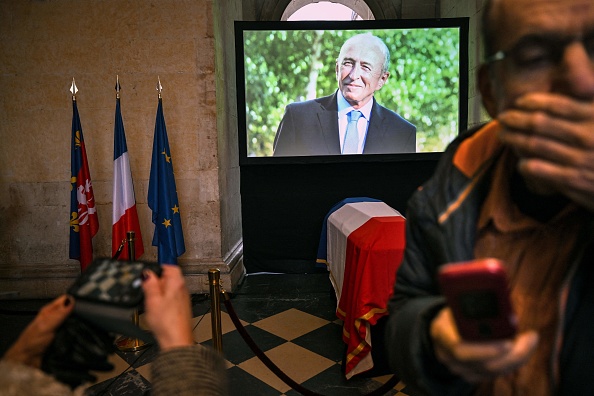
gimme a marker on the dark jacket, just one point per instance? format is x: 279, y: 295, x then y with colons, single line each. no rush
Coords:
x: 184, y: 371
x: 441, y: 226
x: 311, y: 128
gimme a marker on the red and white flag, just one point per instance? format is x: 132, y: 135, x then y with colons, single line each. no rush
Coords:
x: 125, y: 216
x: 84, y: 222
x: 365, y: 245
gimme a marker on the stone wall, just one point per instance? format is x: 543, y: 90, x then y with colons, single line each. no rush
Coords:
x: 472, y: 9
x: 47, y: 43
x: 189, y: 45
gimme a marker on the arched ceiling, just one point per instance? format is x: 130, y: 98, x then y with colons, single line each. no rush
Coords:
x: 272, y: 10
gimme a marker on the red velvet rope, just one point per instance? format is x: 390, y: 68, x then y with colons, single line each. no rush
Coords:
x: 278, y: 372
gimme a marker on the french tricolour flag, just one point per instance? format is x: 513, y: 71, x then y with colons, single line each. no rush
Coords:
x: 365, y: 245
x: 125, y: 217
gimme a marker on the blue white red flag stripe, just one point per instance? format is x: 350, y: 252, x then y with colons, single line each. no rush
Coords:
x: 366, y: 242
x: 84, y: 223
x: 125, y: 216
x: 322, y: 255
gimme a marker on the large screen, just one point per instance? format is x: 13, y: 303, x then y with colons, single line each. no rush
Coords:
x: 296, y: 80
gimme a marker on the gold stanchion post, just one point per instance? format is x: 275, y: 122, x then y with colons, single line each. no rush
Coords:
x: 214, y: 276
x: 128, y: 344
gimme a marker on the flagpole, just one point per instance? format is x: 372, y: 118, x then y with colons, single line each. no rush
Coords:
x: 84, y: 222
x: 128, y: 344
x: 162, y: 194
x: 124, y: 214
x: 74, y: 90
x: 159, y: 86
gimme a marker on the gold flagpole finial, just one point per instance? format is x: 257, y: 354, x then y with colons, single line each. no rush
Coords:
x: 159, y: 86
x: 73, y: 90
x: 117, y: 87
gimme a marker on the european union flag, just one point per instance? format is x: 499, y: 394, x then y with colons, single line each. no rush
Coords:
x: 162, y: 197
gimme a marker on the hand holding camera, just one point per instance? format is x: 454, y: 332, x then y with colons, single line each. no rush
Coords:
x: 106, y: 295
x: 168, y: 308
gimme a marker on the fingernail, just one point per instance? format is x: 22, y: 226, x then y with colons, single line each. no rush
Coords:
x: 145, y: 274
x: 67, y: 302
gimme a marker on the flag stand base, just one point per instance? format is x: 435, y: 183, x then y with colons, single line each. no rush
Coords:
x: 127, y: 344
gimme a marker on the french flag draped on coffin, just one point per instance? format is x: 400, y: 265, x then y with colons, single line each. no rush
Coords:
x: 365, y: 246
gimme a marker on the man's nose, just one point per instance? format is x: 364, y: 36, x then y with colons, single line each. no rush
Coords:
x: 576, y: 77
x: 355, y: 71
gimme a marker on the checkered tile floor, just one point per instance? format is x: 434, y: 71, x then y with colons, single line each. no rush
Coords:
x: 290, y: 317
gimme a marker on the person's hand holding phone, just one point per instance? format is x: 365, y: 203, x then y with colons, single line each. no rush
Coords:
x: 476, y: 361
x: 168, y: 309
x: 475, y: 335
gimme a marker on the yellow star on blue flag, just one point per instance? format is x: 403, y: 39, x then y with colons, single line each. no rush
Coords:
x: 162, y: 197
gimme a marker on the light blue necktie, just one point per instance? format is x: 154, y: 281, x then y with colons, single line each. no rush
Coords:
x: 351, y: 138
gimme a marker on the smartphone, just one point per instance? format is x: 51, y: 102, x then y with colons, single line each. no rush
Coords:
x: 477, y: 292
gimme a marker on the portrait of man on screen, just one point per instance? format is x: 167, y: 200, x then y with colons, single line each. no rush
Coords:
x: 349, y: 121
x: 308, y: 89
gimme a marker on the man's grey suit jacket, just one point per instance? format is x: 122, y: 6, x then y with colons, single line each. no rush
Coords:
x: 311, y: 128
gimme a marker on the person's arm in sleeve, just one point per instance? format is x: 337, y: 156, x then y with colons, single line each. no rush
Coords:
x: 412, y: 307
x: 182, y: 367
x: 424, y: 347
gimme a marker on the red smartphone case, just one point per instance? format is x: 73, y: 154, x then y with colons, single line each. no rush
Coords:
x: 478, y: 295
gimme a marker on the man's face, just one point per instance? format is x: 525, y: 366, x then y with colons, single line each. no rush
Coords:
x: 359, y: 72
x: 543, y: 51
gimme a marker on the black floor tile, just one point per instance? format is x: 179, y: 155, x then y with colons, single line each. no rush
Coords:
x: 236, y: 350
x: 242, y: 383
x: 253, y: 309
x: 259, y: 297
x: 325, y: 341
x: 332, y: 382
x: 322, y: 305
x: 295, y: 284
x: 141, y: 357
x: 130, y: 383
x: 200, y: 304
x: 315, y: 300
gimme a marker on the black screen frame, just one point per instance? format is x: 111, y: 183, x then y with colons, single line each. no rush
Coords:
x: 462, y: 23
